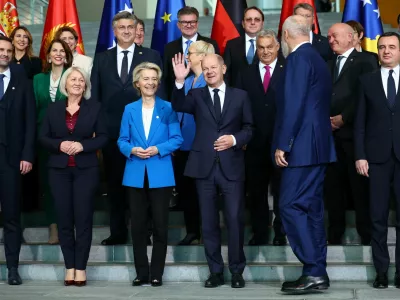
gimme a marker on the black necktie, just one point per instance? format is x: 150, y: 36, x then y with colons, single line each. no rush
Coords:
x: 2, y: 86
x: 217, y: 105
x: 124, y: 67
x: 337, y: 67
x: 391, y: 89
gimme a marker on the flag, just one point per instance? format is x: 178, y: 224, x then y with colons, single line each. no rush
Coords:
x: 367, y: 13
x: 227, y: 22
x: 287, y: 11
x: 8, y: 16
x: 165, y: 23
x: 60, y: 13
x: 106, y: 38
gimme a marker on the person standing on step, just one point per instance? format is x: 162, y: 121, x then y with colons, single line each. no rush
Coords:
x: 149, y: 135
x: 223, y: 126
x: 111, y: 80
x: 303, y: 147
x: 17, y: 150
x: 240, y: 52
x: 260, y: 81
x: 186, y: 185
x: 377, y: 150
x: 46, y: 88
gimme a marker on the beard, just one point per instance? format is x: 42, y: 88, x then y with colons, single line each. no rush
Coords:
x: 285, y: 48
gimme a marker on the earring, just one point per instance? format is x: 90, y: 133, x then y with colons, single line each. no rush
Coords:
x: 65, y: 61
x: 49, y: 61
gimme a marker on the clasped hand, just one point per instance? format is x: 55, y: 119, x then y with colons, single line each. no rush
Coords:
x: 144, y: 154
x: 71, y: 148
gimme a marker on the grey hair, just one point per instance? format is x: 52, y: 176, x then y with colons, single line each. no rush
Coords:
x: 267, y: 33
x: 64, y: 78
x: 145, y: 66
x: 296, y: 26
x: 124, y: 15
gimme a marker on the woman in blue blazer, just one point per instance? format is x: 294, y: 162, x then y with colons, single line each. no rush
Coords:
x: 149, y: 134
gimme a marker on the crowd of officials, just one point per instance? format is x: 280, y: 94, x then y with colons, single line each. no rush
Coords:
x: 212, y: 127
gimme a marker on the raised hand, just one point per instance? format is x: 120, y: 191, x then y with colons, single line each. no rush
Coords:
x: 180, y: 70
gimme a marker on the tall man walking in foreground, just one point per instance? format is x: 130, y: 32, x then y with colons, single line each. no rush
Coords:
x: 303, y: 146
x: 223, y: 126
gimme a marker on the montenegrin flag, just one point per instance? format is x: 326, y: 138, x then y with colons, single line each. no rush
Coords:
x: 60, y: 13
x: 8, y: 16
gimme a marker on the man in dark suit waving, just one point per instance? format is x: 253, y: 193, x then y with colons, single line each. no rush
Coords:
x: 112, y: 85
x: 223, y: 126
x: 17, y: 145
x: 377, y: 149
x: 303, y: 147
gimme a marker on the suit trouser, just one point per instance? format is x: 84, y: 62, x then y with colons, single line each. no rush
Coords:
x: 338, y: 176
x: 260, y: 172
x: 10, y: 200
x: 114, y: 164
x: 73, y: 190
x: 302, y: 211
x: 233, y: 195
x: 140, y: 200
x: 186, y: 187
x: 381, y: 177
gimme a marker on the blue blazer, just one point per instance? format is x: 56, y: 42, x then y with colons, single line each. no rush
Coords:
x: 164, y: 133
x: 188, y: 125
x: 303, y: 128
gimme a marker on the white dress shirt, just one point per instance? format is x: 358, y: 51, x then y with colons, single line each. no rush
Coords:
x: 184, y: 40
x: 6, y: 79
x: 272, y: 66
x: 147, y: 116
x: 297, y: 47
x: 385, y: 76
x: 345, y: 57
x: 53, y: 87
x: 120, y: 57
x: 248, y: 43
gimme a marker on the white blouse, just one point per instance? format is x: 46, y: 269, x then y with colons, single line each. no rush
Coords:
x: 53, y: 87
x: 147, y: 115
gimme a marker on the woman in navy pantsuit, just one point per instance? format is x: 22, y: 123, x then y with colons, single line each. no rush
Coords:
x: 149, y: 133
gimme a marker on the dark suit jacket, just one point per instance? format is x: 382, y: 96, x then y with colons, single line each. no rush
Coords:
x: 170, y: 50
x: 321, y: 44
x: 236, y: 120
x: 235, y: 59
x: 20, y: 118
x: 263, y: 104
x: 377, y: 124
x: 302, y: 127
x: 54, y: 131
x: 32, y: 65
x: 345, y: 88
x: 374, y: 55
x: 108, y: 88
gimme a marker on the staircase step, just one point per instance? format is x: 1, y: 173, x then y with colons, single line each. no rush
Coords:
x: 195, y: 254
x: 192, y: 272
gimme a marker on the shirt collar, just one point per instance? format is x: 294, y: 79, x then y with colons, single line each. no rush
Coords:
x: 131, y: 49
x: 297, y: 47
x: 248, y: 38
x: 7, y: 73
x: 311, y: 37
x: 347, y: 53
x: 193, y: 39
x: 396, y: 71
x: 271, y: 65
x: 221, y: 88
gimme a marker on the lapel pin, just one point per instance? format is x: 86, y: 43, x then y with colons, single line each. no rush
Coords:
x: 351, y: 59
x: 140, y: 53
x: 13, y: 88
x: 281, y: 66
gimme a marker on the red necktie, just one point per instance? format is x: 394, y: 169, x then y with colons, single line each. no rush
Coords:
x: 267, y: 78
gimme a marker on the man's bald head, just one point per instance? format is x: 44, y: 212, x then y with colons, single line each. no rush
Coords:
x: 340, y: 36
x: 213, y: 69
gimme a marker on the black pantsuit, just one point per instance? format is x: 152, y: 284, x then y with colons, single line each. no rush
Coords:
x: 140, y: 199
x: 73, y: 190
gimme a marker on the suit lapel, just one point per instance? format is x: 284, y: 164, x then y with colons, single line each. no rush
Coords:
x: 135, y: 59
x: 158, y: 116
x: 347, y: 64
x: 208, y: 101
x: 138, y: 120
x: 83, y: 111
x: 257, y: 77
x: 397, y: 103
x: 10, y: 92
x: 227, y: 101
x: 381, y: 91
x: 276, y: 74
x: 114, y: 62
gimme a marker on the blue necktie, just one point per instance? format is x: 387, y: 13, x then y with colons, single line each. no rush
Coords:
x: 2, y: 86
x: 250, y: 53
x: 391, y: 89
x: 188, y: 43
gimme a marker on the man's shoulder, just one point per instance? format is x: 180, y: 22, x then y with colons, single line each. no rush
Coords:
x: 173, y: 45
x: 320, y: 38
x: 234, y: 42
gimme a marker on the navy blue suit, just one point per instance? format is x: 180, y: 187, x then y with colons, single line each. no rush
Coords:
x: 222, y: 170
x: 303, y: 131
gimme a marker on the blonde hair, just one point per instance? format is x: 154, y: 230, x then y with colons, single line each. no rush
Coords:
x: 203, y: 47
x: 63, y: 81
x: 145, y: 66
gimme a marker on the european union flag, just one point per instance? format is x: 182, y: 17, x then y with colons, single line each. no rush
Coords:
x: 367, y: 13
x: 106, y: 38
x: 165, y: 23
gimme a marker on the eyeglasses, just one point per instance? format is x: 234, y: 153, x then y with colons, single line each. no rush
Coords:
x: 251, y: 20
x: 123, y: 28
x: 187, y: 23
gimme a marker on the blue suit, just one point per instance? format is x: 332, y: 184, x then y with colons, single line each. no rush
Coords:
x: 164, y: 133
x: 304, y: 133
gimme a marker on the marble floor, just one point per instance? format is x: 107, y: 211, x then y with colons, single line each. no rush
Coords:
x: 46, y: 290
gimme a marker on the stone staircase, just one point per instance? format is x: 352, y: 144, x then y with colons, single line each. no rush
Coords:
x: 40, y: 261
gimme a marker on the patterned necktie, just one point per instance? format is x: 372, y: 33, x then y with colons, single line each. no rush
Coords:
x: 217, y: 105
x: 2, y: 86
x: 337, y: 67
x: 391, y: 89
x: 267, y: 78
x: 188, y: 43
x: 250, y: 53
x: 124, y: 67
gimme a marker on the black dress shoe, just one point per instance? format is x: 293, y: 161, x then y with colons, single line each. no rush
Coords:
x: 140, y: 281
x: 156, y: 282
x: 13, y: 277
x: 237, y: 281
x: 279, y: 241
x: 397, y: 280
x: 190, y: 239
x: 381, y: 281
x: 306, y: 284
x: 257, y: 242
x: 110, y: 241
x: 214, y: 280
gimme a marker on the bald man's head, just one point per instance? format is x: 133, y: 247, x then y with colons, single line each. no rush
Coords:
x: 213, y: 70
x: 341, y: 37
